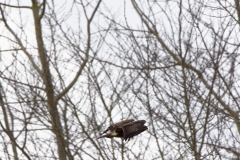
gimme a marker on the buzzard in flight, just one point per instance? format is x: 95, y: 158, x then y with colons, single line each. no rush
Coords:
x: 126, y: 129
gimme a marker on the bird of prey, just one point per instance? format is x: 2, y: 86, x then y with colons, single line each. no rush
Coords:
x: 126, y: 129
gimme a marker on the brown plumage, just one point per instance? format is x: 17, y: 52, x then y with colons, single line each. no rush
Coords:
x: 126, y: 129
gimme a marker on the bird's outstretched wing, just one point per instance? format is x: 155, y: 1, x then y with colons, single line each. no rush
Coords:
x: 112, y: 127
x: 132, y: 129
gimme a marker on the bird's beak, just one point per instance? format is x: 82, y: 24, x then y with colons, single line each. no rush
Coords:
x: 102, y: 136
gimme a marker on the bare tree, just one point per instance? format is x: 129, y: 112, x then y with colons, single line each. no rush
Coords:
x: 35, y: 80
x: 187, y: 59
x: 69, y: 69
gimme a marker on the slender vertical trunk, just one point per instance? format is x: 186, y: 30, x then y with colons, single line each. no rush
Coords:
x: 10, y: 134
x: 47, y: 80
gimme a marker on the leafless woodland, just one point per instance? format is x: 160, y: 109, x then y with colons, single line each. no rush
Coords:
x: 70, y: 68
